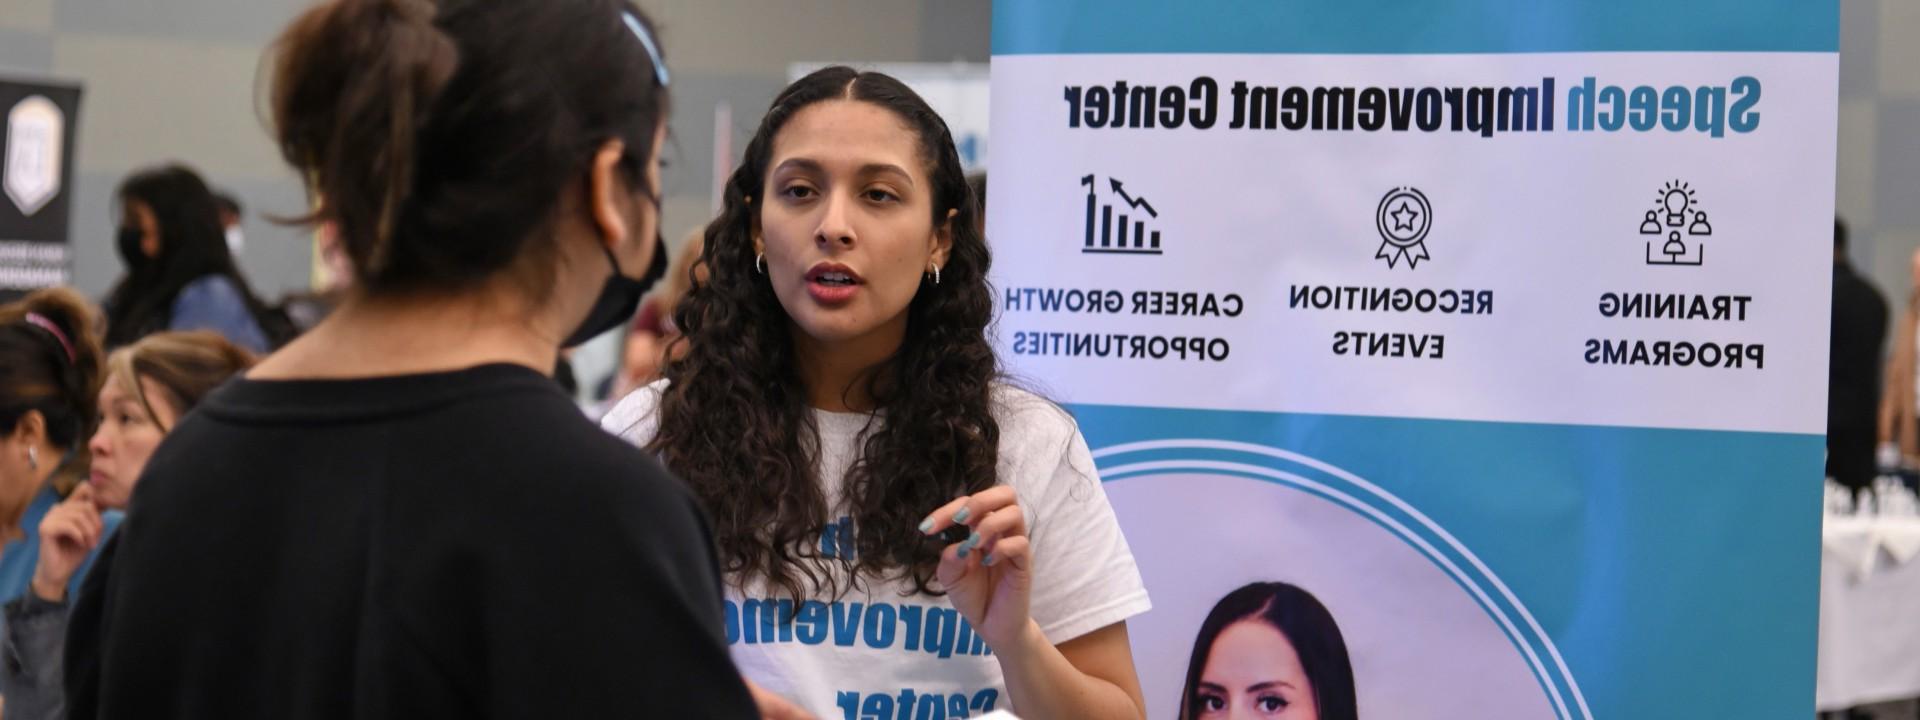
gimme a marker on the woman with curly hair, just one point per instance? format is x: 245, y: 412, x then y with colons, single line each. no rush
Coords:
x: 903, y: 533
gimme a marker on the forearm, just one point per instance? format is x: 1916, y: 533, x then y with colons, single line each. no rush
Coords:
x: 35, y: 640
x: 1042, y: 683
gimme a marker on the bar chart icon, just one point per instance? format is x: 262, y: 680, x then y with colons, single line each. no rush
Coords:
x: 1121, y: 224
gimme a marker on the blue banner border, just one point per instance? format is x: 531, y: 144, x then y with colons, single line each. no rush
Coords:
x: 1381, y: 27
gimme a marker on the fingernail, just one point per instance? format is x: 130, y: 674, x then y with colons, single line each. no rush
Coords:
x: 970, y: 543
x: 926, y: 526
x: 962, y: 516
x: 986, y: 559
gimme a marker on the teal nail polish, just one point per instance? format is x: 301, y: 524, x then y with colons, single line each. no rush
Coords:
x: 969, y: 544
x: 962, y: 516
x: 961, y: 552
x: 926, y: 526
x: 987, y: 560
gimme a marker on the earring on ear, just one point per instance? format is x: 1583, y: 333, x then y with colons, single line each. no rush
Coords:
x: 936, y: 274
x: 760, y: 263
x: 33, y: 458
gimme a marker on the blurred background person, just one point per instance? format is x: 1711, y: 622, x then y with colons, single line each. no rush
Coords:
x: 179, y: 273
x: 653, y: 334
x: 230, y: 216
x: 1899, y: 434
x: 332, y: 279
x: 149, y: 385
x: 1859, y: 334
x: 49, y: 374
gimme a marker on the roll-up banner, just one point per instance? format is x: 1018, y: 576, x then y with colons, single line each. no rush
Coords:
x: 1459, y: 359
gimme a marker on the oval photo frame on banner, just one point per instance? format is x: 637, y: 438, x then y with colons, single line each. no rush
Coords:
x: 1431, y: 632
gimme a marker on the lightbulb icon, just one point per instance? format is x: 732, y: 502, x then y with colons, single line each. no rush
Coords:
x: 1676, y: 198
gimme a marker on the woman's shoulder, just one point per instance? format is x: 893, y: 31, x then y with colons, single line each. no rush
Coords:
x: 1018, y: 407
x: 209, y: 288
x: 636, y: 418
x: 217, y: 302
x: 1030, y: 421
x: 212, y: 301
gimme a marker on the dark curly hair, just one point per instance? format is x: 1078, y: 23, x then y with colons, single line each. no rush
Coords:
x: 734, y: 419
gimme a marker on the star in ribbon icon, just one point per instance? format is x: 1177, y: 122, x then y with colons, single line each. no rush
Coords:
x: 1406, y: 222
x: 1403, y: 218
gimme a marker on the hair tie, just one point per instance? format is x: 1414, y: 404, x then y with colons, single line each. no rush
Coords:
x: 41, y: 321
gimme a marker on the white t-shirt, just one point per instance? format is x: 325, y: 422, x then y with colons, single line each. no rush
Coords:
x: 877, y: 654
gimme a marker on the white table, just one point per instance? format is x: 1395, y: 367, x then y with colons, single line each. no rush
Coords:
x: 1869, y: 611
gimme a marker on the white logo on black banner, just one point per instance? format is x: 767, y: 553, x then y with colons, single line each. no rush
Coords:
x: 34, y: 141
x: 1678, y: 216
x: 1404, y: 216
x: 1119, y: 225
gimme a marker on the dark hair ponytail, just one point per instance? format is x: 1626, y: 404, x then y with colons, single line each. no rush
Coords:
x: 437, y: 136
x: 53, y: 370
x: 355, y: 81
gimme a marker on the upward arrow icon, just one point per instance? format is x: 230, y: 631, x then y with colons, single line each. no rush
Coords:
x: 1140, y: 203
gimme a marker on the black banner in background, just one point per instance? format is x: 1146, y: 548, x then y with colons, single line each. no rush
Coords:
x: 37, y: 130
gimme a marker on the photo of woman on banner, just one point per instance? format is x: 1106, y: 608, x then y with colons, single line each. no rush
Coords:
x: 1269, y: 650
x: 1245, y: 607
x: 904, y: 534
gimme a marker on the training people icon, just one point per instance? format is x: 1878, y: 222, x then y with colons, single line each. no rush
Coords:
x: 1670, y: 216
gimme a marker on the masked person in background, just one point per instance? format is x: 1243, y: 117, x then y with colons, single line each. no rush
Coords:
x: 180, y: 274
x: 413, y: 521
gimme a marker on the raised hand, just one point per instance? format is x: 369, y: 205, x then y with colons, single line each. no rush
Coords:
x: 989, y: 575
x: 70, y: 531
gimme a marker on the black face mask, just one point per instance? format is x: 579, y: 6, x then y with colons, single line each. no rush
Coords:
x: 128, y: 242
x: 620, y: 297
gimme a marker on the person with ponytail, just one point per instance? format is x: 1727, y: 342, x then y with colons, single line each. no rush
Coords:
x: 840, y: 411
x: 399, y: 514
x: 180, y: 271
x: 49, y: 365
x: 149, y: 386
x: 49, y: 368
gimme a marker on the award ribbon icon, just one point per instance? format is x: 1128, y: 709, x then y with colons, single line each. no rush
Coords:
x: 1403, y: 218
